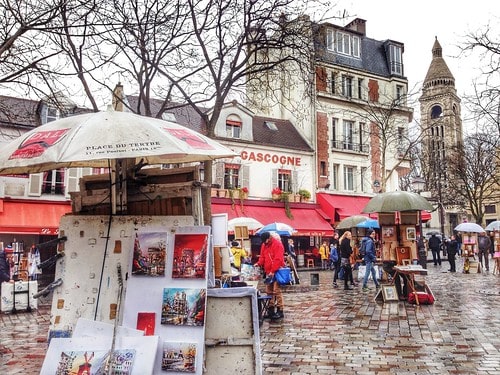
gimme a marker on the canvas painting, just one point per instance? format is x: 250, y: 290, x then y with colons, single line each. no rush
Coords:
x: 95, y: 362
x: 179, y: 357
x: 190, y: 256
x: 146, y: 322
x: 411, y: 234
x: 149, y: 254
x: 183, y: 306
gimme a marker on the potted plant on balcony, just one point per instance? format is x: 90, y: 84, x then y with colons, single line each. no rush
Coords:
x: 276, y: 194
x: 243, y: 192
x: 305, y: 195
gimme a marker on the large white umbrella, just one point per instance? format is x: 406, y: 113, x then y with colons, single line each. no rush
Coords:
x: 469, y: 228
x: 92, y: 140
x: 249, y: 222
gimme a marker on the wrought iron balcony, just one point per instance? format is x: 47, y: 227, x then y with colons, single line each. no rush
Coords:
x: 350, y: 146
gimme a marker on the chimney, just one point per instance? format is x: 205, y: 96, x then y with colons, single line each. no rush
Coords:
x: 117, y: 101
x: 358, y: 25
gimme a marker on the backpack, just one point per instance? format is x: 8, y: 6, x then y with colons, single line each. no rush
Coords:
x: 334, y: 256
x: 362, y: 250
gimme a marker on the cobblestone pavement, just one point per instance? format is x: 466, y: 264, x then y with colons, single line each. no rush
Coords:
x: 332, y: 331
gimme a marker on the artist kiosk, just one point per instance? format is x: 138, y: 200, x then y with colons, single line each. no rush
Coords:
x: 143, y: 286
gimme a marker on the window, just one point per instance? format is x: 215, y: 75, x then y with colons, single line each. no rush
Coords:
x: 52, y: 114
x: 285, y: 179
x: 362, y: 146
x: 349, y: 178
x: 334, y: 132
x: 322, y: 168
x: 347, y: 86
x: 356, y: 46
x: 399, y: 92
x: 231, y: 176
x: 436, y: 112
x: 233, y: 129
x: 330, y: 40
x: 335, y: 177
x: 343, y: 43
x: 490, y: 209
x: 53, y: 182
x: 396, y: 59
x: 333, y: 79
x: 360, y: 88
x: 348, y: 135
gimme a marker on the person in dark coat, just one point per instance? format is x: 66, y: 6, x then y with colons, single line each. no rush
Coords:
x: 435, y: 246
x: 345, y: 255
x: 4, y: 268
x: 452, y: 250
x: 422, y: 251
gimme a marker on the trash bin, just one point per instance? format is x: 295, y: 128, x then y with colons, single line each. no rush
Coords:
x: 314, y: 278
x: 300, y: 260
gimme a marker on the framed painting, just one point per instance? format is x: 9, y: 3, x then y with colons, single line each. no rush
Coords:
x: 411, y: 234
x: 183, y: 306
x: 389, y: 293
x: 389, y: 233
x: 149, y: 254
x: 190, y: 256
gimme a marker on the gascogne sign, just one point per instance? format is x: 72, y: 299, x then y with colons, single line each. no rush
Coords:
x: 271, y: 158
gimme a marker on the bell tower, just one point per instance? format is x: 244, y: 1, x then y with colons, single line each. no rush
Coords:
x: 441, y: 126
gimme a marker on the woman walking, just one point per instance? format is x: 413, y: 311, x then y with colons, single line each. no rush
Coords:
x: 345, y: 255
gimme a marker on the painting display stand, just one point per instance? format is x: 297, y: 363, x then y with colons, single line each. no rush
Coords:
x: 163, y: 260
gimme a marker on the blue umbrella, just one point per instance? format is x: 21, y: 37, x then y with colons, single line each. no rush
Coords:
x: 369, y: 223
x: 280, y: 228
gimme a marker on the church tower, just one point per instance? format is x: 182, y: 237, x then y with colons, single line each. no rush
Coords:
x: 441, y: 126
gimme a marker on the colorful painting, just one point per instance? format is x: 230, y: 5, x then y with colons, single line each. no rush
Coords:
x: 146, y: 322
x: 389, y: 233
x: 183, y: 306
x: 411, y: 234
x: 190, y: 256
x: 95, y: 362
x: 179, y: 357
x: 149, y: 254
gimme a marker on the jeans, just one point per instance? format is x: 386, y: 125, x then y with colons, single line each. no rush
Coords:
x: 436, y: 257
x: 483, y: 254
x: 370, y: 269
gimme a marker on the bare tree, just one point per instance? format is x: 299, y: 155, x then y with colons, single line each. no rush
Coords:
x: 474, y: 167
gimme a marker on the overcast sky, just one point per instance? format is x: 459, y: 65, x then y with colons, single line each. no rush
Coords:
x: 417, y: 23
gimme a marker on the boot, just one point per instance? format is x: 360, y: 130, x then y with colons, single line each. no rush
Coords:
x: 278, y: 315
x: 269, y: 313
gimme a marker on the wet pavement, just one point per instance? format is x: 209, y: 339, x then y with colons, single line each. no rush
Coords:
x: 332, y: 331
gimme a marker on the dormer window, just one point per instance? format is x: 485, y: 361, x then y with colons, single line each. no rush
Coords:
x: 52, y: 114
x: 233, y: 129
x: 396, y: 59
x: 271, y: 125
x: 344, y: 43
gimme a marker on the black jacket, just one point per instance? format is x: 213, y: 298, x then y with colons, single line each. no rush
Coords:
x: 434, y: 243
x: 345, y: 248
x: 4, y: 268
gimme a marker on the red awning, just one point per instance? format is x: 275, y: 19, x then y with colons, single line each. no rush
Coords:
x: 308, y: 219
x: 19, y: 216
x: 341, y: 206
x: 425, y: 216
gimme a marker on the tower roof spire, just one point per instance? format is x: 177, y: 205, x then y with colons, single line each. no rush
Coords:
x: 438, y: 73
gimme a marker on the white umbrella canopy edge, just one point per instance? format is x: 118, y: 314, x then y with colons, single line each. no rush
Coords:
x: 493, y: 226
x: 469, y: 228
x: 91, y: 140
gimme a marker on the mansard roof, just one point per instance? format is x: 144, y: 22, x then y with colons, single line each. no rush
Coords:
x: 374, y: 57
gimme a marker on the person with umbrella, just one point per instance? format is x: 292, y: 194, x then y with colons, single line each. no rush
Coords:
x: 271, y: 259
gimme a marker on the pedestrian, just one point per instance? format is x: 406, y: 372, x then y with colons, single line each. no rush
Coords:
x: 4, y: 267
x: 345, y: 258
x: 370, y: 258
x: 452, y: 250
x: 271, y: 259
x: 239, y: 254
x: 435, y: 246
x: 483, y: 247
x: 290, y: 249
x: 422, y: 251
x: 335, y: 258
x: 324, y: 253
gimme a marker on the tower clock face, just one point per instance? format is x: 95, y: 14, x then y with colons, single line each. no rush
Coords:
x: 436, y: 111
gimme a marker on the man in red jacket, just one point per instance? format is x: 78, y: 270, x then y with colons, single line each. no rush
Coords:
x: 271, y: 259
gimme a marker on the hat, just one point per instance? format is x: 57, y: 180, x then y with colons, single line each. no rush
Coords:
x: 264, y: 236
x: 369, y: 232
x: 235, y: 244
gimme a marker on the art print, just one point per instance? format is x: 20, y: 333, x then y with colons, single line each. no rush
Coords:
x: 96, y: 362
x: 389, y: 233
x: 146, y: 322
x: 149, y: 254
x: 190, y: 256
x: 411, y: 234
x: 183, y: 306
x: 178, y: 357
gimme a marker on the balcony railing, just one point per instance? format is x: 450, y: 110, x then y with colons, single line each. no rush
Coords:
x: 348, y: 146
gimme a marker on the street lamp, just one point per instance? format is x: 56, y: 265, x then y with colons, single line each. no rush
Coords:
x: 418, y: 184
